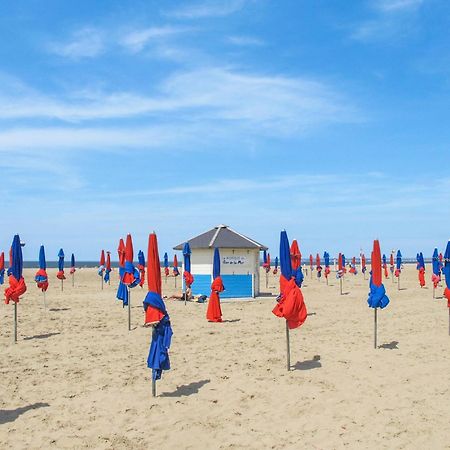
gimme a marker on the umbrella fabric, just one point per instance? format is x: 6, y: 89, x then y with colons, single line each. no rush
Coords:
x: 391, y: 263
x: 326, y: 258
x: 363, y: 263
x: 290, y: 304
x: 188, y: 278
x: 122, y: 291
x: 264, y: 259
x: 344, y: 269
x: 17, y: 285
x: 268, y: 263
x: 131, y: 273
x: 214, y: 312
x: 353, y: 266
x: 398, y: 269
x: 141, y: 267
x: 311, y: 262
x: 2, y: 268
x: 377, y: 295
x: 275, y: 270
x: 421, y: 264
x: 166, y: 265
x: 318, y: 266
x: 175, y: 270
x: 296, y: 263
x: 446, y: 272
x: 60, y: 275
x: 72, y: 264
x: 101, y: 266
x: 386, y: 275
x: 156, y: 314
x: 441, y: 261
x: 436, y: 277
x: 107, y: 267
x: 41, y: 276
x: 417, y: 261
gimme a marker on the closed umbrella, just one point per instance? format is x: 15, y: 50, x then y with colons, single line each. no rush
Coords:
x: 353, y: 266
x: 363, y: 265
x: 2, y: 268
x: 214, y: 312
x: 175, y: 270
x: 156, y: 315
x: 446, y: 272
x: 296, y: 263
x: 72, y: 268
x: 122, y: 291
x: 60, y: 275
x: 340, y: 272
x: 188, y: 278
x: 166, y: 267
x: 392, y: 265
x: 275, y: 269
x: 436, y: 277
x: 108, y: 268
x: 421, y: 264
x: 101, y: 266
x: 377, y: 295
x: 398, y: 269
x: 385, y: 269
x: 131, y: 274
x: 311, y: 264
x: 326, y: 258
x: 17, y: 286
x: 290, y: 302
x: 318, y: 266
x: 141, y: 267
x: 41, y: 276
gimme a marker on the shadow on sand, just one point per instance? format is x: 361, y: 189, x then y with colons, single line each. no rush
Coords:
x: 231, y: 321
x: 309, y: 364
x: 391, y: 345
x: 10, y: 415
x: 59, y: 309
x: 186, y: 389
x: 40, y: 336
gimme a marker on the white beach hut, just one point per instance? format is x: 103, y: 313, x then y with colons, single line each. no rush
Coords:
x: 239, y: 258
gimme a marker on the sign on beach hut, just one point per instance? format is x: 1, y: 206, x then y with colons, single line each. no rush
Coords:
x: 239, y: 259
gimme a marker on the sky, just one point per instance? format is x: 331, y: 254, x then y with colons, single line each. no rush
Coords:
x: 327, y: 119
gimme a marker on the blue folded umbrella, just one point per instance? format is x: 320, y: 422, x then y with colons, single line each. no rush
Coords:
x: 436, y: 265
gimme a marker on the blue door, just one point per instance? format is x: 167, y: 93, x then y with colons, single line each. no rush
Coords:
x: 236, y: 286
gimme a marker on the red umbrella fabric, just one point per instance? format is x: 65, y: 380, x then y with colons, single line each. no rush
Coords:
x: 340, y: 272
x: 214, y: 311
x: 131, y: 275
x: 17, y: 285
x: 152, y: 314
x: 296, y: 256
x: 175, y: 271
x: 353, y: 266
x: 311, y: 262
x: 318, y: 266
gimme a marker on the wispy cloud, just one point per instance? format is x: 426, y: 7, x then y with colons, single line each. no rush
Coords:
x: 84, y: 43
x: 136, y: 41
x: 393, y: 18
x: 245, y: 41
x: 205, y: 9
x: 205, y: 98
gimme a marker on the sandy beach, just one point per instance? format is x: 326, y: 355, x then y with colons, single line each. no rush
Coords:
x: 78, y: 379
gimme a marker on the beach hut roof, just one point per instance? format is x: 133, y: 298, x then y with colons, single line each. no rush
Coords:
x: 222, y: 236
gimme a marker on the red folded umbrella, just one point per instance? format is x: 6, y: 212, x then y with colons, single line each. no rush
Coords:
x: 121, y: 252
x: 311, y: 261
x: 296, y: 256
x: 152, y: 314
x: 128, y: 277
x: 175, y: 271
x: 340, y: 268
x: 102, y: 258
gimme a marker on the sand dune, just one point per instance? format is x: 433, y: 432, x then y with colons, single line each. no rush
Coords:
x: 77, y: 378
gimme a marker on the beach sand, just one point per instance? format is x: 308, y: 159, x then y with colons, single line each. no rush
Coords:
x: 78, y: 379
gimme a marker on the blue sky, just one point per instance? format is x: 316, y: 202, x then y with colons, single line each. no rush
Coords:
x: 329, y: 119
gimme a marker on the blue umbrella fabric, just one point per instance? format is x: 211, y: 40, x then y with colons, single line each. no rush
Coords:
x: 275, y: 269
x: 166, y: 265
x: 141, y: 267
x: 17, y: 285
x: 326, y: 258
x: 107, y: 267
x: 60, y: 275
x: 72, y: 264
x: 122, y: 291
x: 41, y: 276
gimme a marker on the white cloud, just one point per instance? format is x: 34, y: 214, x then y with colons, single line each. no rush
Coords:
x: 84, y: 43
x: 267, y: 104
x: 136, y: 41
x: 391, y: 6
x: 205, y: 9
x: 245, y: 41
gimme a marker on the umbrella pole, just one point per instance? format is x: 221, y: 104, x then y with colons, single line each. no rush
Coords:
x: 267, y: 280
x: 288, y: 348
x: 327, y: 281
x: 449, y: 321
x: 45, y: 304
x: 434, y: 292
x: 129, y: 308
x: 375, y: 328
x: 175, y: 282
x: 102, y: 280
x: 398, y: 283
x: 340, y: 284
x: 15, y: 321
x: 153, y: 380
x: 73, y: 280
x: 62, y: 285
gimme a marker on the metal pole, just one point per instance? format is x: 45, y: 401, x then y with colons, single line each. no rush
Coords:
x: 288, y: 349
x: 45, y: 304
x: 153, y: 380
x: 449, y: 321
x: 434, y: 292
x: 73, y: 280
x: 129, y: 309
x: 62, y: 285
x: 15, y: 321
x: 398, y: 283
x: 340, y: 283
x: 102, y: 280
x: 175, y: 282
x: 375, y: 329
x: 327, y: 280
x: 267, y: 280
